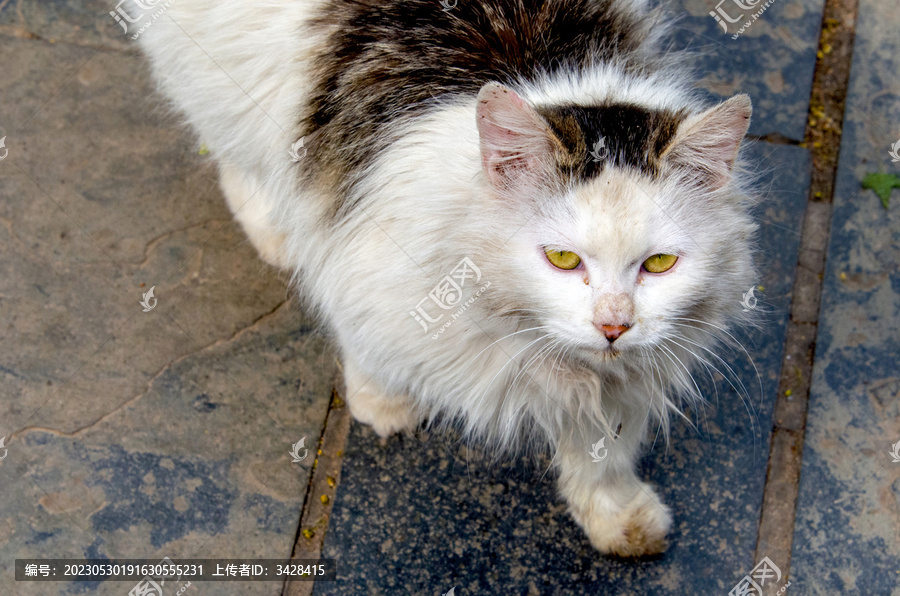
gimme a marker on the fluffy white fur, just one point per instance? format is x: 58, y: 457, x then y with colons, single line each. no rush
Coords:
x: 238, y: 71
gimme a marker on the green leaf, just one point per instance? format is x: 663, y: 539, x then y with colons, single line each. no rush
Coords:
x: 882, y: 185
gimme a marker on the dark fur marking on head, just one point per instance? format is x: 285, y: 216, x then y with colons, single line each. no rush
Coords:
x: 632, y: 137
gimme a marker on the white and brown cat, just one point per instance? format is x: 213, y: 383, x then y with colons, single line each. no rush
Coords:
x: 512, y: 213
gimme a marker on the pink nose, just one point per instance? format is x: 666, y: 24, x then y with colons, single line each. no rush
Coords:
x: 612, y: 332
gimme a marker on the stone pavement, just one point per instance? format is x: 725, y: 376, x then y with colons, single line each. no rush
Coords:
x: 134, y: 434
x: 847, y: 537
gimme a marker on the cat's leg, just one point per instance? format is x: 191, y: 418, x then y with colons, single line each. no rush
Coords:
x: 620, y: 514
x: 250, y: 204
x: 386, y: 414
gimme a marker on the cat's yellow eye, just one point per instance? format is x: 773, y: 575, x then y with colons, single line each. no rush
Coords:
x: 660, y: 263
x: 563, y: 259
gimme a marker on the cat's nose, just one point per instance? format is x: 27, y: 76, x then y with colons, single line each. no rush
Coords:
x: 612, y: 332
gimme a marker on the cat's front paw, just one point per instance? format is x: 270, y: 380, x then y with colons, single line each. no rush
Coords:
x: 369, y: 404
x: 637, y: 530
x: 385, y: 415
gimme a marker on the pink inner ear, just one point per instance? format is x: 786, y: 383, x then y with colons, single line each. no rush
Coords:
x: 514, y: 138
x: 711, y: 140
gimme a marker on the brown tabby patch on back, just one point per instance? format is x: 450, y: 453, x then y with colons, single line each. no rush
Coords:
x: 389, y: 61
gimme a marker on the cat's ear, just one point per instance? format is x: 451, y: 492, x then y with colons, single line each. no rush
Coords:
x: 708, y: 143
x: 516, y: 143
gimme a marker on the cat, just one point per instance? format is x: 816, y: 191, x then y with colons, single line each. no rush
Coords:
x: 512, y: 214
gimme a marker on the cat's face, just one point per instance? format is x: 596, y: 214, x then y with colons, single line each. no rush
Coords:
x: 628, y: 265
x: 623, y: 260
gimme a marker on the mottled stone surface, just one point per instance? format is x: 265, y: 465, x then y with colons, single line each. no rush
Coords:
x: 847, y: 538
x: 413, y: 516
x: 86, y: 22
x: 772, y: 60
x: 137, y: 434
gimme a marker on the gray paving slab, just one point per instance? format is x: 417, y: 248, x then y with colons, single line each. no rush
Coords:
x: 136, y: 434
x: 847, y: 538
x: 772, y: 59
x: 422, y: 515
x: 86, y: 22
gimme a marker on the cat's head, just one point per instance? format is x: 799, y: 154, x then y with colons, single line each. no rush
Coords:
x: 621, y: 227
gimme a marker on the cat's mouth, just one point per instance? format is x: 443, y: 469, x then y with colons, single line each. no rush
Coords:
x: 607, y: 353
x: 610, y: 353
